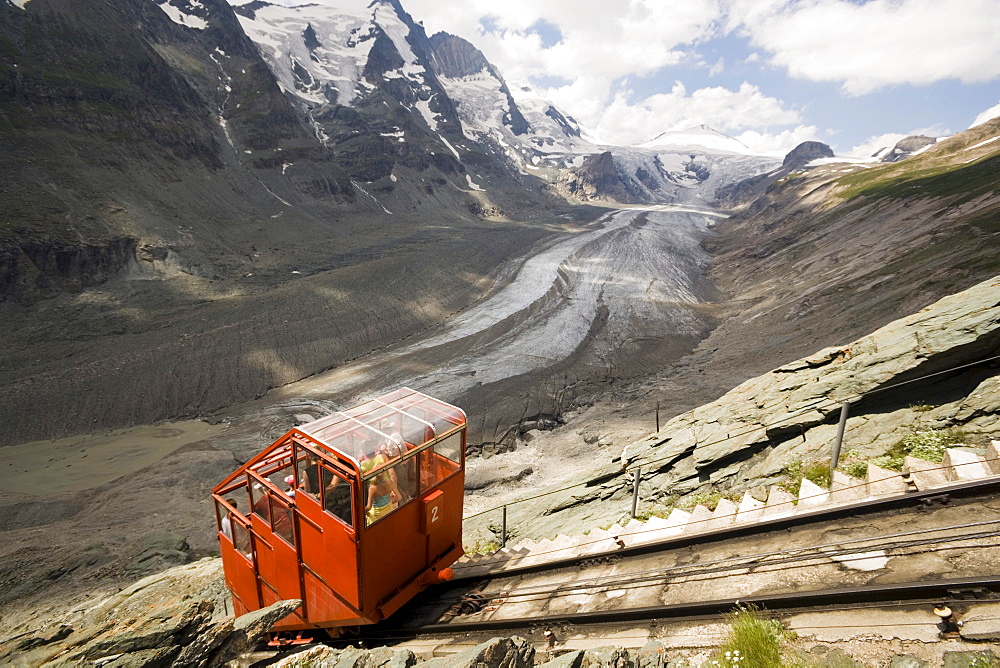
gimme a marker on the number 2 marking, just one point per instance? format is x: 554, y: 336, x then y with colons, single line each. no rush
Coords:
x: 434, y: 514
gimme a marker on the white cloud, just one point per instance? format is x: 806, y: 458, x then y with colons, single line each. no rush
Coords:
x: 875, y: 44
x: 647, y: 24
x: 987, y: 115
x: 602, y: 41
x: 726, y: 110
x: 780, y: 143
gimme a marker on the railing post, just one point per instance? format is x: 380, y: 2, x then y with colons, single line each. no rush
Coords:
x: 635, y: 490
x: 835, y: 458
x: 503, y: 530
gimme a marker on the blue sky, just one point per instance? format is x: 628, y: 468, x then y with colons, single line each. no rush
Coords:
x: 854, y: 74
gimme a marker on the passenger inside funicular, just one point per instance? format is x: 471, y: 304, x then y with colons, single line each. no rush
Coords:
x: 382, y: 492
x: 337, y: 496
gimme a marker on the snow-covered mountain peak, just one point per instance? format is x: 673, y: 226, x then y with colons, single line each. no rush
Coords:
x: 516, y: 122
x: 700, y: 138
x: 533, y: 103
x: 319, y: 53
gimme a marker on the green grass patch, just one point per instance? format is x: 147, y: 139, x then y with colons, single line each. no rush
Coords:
x: 814, y: 470
x: 891, y: 462
x: 926, y: 445
x: 968, y: 181
x: 857, y: 469
x: 930, y: 445
x: 483, y: 547
x: 754, y: 641
x: 709, y: 499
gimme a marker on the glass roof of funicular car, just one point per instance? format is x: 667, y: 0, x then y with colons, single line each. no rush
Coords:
x: 401, y: 418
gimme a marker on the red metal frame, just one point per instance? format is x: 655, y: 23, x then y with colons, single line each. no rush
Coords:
x: 347, y: 567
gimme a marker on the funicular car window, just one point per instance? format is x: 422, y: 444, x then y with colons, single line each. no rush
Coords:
x: 258, y: 502
x: 282, y: 477
x: 224, y: 516
x: 336, y: 496
x: 236, y: 499
x: 241, y: 540
x: 233, y: 524
x: 440, y: 460
x: 281, y: 518
x: 307, y: 472
x: 450, y: 448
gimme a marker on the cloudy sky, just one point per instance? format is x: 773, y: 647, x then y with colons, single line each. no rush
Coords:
x: 854, y: 74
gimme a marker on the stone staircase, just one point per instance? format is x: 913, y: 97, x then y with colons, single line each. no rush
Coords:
x: 918, y: 475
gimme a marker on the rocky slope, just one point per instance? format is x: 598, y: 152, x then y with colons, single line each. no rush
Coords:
x: 825, y: 254
x: 189, y: 626
x: 936, y: 370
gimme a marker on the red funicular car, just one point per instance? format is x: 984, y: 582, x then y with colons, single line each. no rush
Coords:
x: 353, y: 513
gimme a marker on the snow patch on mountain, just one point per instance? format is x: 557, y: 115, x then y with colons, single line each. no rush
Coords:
x: 182, y: 12
x: 424, y: 107
x: 450, y: 147
x: 982, y: 143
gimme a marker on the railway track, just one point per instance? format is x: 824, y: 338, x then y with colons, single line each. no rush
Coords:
x: 898, y: 555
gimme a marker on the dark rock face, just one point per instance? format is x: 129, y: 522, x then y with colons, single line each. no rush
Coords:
x: 42, y: 267
x: 598, y: 178
x: 159, y: 550
x: 749, y: 191
x: 455, y: 57
x: 116, y: 87
x: 700, y: 171
x: 806, y: 152
x: 568, y: 125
